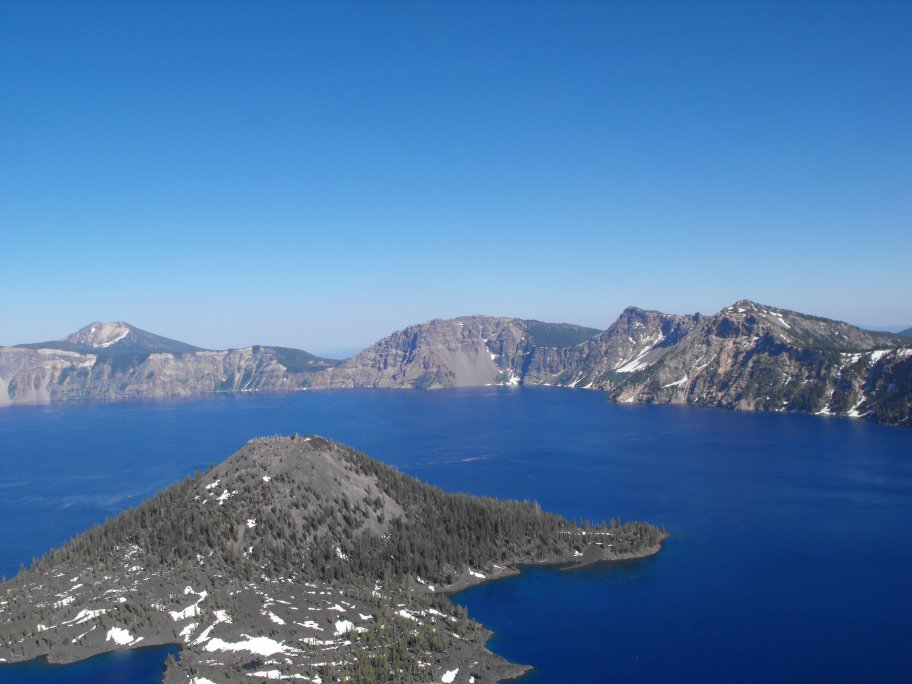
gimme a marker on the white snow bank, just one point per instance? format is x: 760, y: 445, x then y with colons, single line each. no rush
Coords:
x: 449, y: 676
x: 220, y: 616
x: 188, y: 630
x: 275, y: 674
x: 263, y: 646
x: 84, y: 616
x: 190, y: 611
x: 121, y: 636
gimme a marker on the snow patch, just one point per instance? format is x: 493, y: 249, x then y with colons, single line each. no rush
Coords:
x: 449, y: 676
x: 191, y: 610
x: 188, y: 630
x: 676, y: 383
x: 261, y: 645
x: 878, y: 354
x: 121, y: 637
x: 220, y: 616
x: 343, y: 626
x: 84, y: 616
x: 310, y: 624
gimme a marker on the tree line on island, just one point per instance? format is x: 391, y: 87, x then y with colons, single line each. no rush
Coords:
x: 303, y: 532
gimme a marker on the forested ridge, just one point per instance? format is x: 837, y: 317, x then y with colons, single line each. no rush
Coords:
x: 324, y: 533
x: 288, y: 529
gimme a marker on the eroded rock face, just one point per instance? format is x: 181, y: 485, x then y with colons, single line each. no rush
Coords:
x: 40, y: 375
x: 463, y: 352
x: 636, y: 340
x: 747, y: 356
x: 755, y: 357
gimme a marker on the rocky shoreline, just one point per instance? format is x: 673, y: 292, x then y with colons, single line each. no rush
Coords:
x: 747, y: 357
x: 299, y: 558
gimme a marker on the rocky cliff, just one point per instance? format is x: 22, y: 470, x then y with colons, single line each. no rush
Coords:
x: 748, y: 356
x: 119, y: 361
x: 755, y: 357
x: 461, y: 352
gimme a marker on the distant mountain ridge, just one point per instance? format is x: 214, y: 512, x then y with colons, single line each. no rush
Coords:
x: 108, y: 339
x: 748, y: 356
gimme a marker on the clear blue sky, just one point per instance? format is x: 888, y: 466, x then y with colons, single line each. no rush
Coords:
x: 318, y: 175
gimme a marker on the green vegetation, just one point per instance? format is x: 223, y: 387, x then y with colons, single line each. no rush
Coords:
x: 298, y: 360
x: 557, y: 334
x: 318, y: 535
x: 298, y: 517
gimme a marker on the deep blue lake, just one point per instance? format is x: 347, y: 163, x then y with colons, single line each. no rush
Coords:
x: 792, y: 534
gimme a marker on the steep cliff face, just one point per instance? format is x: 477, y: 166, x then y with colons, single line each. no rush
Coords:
x: 755, y: 357
x: 637, y: 339
x: 455, y: 353
x: 461, y: 352
x: 748, y: 357
x: 40, y: 375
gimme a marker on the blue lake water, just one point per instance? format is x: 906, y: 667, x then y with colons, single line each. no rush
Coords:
x: 792, y: 535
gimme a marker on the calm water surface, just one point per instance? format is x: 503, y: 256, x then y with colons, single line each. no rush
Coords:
x: 792, y: 535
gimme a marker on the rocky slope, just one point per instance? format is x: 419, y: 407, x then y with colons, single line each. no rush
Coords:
x: 747, y: 356
x: 109, y: 339
x: 461, y: 352
x: 295, y: 558
x: 118, y: 361
x: 755, y: 357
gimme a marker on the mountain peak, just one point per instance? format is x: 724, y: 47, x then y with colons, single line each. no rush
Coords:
x: 745, y: 305
x: 100, y: 335
x: 114, y: 338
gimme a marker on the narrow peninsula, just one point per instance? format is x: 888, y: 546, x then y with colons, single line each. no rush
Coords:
x: 296, y: 558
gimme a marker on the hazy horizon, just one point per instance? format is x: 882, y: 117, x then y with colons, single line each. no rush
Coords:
x: 318, y: 175
x: 342, y: 350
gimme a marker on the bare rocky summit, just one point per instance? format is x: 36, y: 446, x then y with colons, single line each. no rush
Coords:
x: 108, y: 339
x: 296, y: 558
x: 747, y: 357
